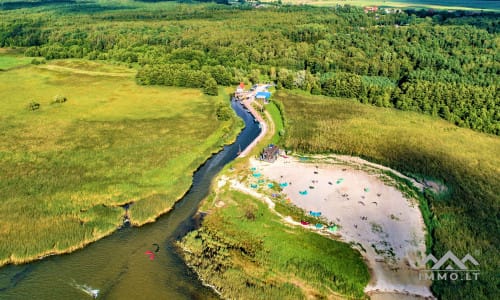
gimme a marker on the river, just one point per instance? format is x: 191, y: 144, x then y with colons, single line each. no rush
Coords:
x: 117, y: 265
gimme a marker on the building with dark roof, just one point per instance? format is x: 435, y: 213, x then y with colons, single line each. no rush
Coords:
x: 270, y: 153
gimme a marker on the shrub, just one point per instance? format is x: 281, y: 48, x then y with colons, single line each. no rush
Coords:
x: 224, y: 113
x: 59, y: 99
x: 210, y: 87
x: 35, y: 61
x: 32, y: 106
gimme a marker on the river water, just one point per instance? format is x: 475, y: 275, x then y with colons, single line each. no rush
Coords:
x: 117, y: 265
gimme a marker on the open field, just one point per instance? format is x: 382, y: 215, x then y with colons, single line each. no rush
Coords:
x: 416, y: 4
x: 10, y: 58
x: 67, y: 167
x: 464, y: 219
x: 245, y: 251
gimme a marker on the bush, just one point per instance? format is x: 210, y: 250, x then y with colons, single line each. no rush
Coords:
x: 59, y: 99
x: 36, y: 61
x: 210, y: 87
x: 32, y: 106
x: 223, y: 112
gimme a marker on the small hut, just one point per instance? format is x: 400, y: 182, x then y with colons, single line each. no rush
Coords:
x: 270, y: 153
x: 240, y: 93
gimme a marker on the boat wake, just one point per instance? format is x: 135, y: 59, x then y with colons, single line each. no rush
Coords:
x: 86, y: 289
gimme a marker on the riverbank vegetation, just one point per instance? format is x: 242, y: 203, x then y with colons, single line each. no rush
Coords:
x: 464, y: 219
x: 94, y: 143
x: 439, y: 63
x: 245, y: 251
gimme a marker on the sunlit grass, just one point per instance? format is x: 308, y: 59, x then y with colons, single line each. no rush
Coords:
x: 66, y: 167
x: 277, y: 120
x: 8, y: 60
x: 244, y: 249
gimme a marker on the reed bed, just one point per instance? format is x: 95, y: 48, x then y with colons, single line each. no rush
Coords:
x: 66, y: 168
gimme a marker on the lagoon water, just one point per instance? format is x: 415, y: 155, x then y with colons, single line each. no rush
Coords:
x: 117, y: 265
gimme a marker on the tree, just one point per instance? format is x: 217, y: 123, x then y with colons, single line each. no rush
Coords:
x: 210, y: 87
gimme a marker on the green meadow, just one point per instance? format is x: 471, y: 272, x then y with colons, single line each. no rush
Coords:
x: 10, y: 58
x: 245, y: 251
x: 67, y: 167
x: 464, y: 219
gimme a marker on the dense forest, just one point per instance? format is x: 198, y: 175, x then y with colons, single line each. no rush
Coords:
x: 445, y: 64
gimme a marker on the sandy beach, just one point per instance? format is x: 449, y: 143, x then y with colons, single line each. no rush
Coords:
x: 368, y: 212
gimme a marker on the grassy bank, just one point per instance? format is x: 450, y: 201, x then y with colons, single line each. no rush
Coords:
x: 246, y: 252
x: 464, y: 220
x: 279, y: 128
x: 68, y: 165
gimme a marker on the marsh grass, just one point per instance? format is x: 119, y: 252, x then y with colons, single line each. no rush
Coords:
x: 67, y: 167
x: 245, y: 251
x: 463, y: 220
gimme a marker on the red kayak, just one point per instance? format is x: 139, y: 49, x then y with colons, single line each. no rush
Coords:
x: 151, y: 254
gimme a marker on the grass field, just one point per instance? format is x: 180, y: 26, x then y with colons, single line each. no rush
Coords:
x: 67, y: 167
x: 464, y: 220
x: 10, y: 58
x: 246, y: 252
x: 416, y: 4
x: 277, y: 120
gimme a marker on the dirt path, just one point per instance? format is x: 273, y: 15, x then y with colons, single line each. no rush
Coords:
x: 263, y: 132
x: 85, y: 72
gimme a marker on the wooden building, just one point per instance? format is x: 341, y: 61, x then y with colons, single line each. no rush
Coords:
x: 270, y: 153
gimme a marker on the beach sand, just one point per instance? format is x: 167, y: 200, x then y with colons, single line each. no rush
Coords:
x: 388, y: 226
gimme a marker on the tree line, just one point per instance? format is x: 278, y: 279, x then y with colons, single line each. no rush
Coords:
x: 440, y: 63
